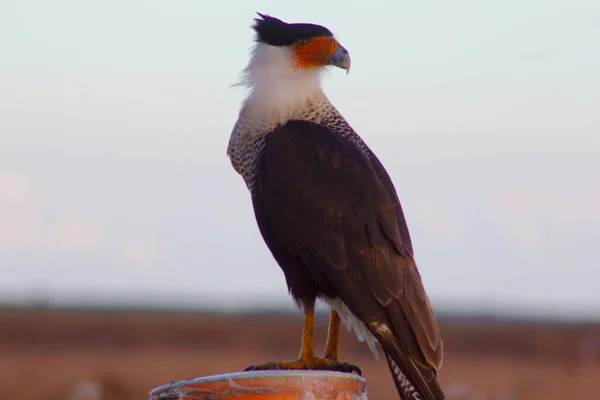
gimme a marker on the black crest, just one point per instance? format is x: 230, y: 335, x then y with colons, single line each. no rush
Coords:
x: 275, y: 32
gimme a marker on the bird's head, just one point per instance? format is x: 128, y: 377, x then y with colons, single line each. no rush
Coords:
x: 283, y: 74
x: 308, y: 45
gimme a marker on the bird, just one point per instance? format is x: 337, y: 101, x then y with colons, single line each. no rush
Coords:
x: 329, y: 212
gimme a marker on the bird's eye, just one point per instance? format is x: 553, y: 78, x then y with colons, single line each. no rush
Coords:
x: 302, y: 43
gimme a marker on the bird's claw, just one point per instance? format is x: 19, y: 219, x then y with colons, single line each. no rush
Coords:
x: 319, y: 364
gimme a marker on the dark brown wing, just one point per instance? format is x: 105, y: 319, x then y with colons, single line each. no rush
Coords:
x: 329, y: 213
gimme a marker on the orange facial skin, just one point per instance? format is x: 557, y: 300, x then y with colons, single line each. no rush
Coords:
x: 315, y: 51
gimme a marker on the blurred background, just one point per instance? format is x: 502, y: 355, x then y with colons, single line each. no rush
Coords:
x: 129, y: 254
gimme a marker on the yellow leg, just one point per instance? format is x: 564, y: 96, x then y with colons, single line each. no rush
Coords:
x: 307, y: 360
x: 333, y: 336
x: 308, y: 329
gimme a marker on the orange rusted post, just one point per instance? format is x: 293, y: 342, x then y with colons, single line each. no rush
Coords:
x: 267, y: 385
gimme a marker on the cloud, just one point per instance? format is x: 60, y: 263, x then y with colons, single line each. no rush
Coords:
x: 564, y: 212
x: 137, y: 253
x: 532, y: 213
x: 23, y: 228
x: 73, y: 232
x: 17, y: 209
x: 438, y: 218
x: 593, y: 201
x: 514, y: 209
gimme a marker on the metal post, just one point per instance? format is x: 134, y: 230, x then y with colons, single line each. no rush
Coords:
x: 267, y: 385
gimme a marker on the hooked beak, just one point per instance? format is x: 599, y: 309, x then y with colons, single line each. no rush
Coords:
x: 340, y: 58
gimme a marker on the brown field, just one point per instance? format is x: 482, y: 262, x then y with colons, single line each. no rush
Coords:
x: 53, y: 354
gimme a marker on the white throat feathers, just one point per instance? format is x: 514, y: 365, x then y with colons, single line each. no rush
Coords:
x: 279, y: 90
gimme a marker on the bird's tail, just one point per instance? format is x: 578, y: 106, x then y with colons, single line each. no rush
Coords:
x: 412, y: 382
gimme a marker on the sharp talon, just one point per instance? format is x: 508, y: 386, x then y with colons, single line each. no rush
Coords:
x: 262, y: 367
x: 354, y: 368
x: 315, y: 364
x: 347, y: 368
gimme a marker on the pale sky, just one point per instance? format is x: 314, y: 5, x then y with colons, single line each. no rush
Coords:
x: 115, y: 118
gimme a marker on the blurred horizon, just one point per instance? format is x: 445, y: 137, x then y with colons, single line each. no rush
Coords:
x: 197, y: 306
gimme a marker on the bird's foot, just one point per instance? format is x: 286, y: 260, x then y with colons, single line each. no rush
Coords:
x: 312, y: 363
